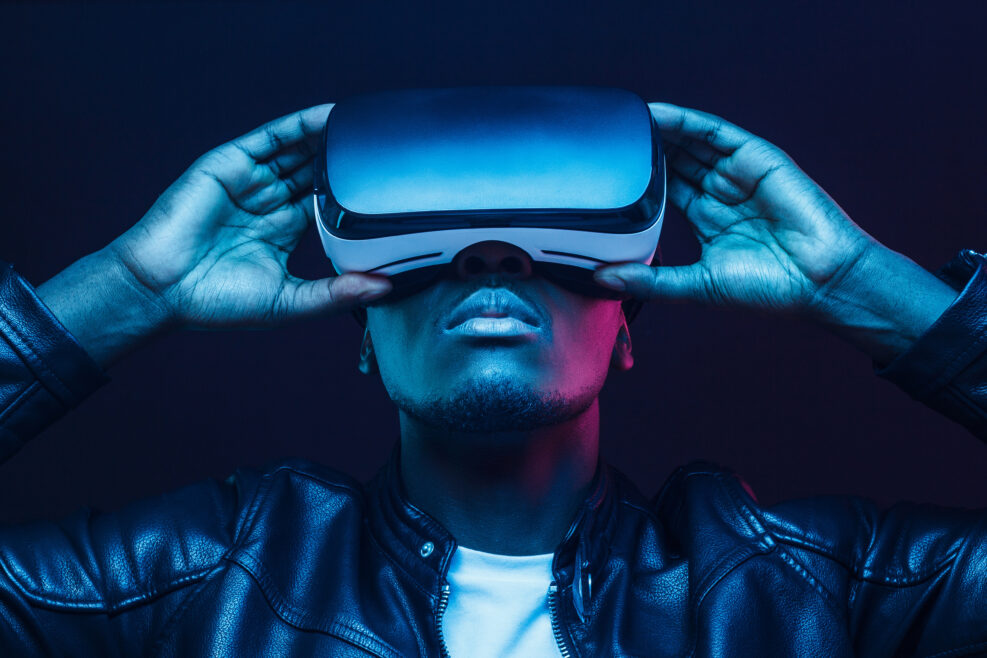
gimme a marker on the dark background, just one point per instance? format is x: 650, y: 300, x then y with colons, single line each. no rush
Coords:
x: 882, y: 103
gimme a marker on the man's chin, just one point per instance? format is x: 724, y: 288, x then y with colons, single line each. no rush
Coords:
x: 487, y: 405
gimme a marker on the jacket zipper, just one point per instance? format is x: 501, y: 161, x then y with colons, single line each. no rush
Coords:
x: 443, y: 604
x: 553, y: 611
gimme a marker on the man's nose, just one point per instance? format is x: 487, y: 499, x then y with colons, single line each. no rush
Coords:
x: 492, y: 257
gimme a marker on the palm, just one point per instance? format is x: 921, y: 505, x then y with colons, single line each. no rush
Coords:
x: 234, y: 232
x: 215, y: 245
x: 771, y: 238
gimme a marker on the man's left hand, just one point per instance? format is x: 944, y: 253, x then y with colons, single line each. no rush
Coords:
x: 773, y: 240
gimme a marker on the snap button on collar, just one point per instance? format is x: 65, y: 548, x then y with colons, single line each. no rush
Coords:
x: 426, y: 549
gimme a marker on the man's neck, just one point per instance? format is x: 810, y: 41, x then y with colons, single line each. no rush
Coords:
x: 513, y: 493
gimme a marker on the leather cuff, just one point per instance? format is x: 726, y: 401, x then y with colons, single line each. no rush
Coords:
x: 946, y: 355
x: 44, y: 371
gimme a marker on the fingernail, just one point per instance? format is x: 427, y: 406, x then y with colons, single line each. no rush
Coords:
x: 373, y: 293
x: 611, y: 281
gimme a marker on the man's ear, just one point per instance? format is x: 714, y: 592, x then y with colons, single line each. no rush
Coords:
x: 621, y: 358
x: 368, y: 360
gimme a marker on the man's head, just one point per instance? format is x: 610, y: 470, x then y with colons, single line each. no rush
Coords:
x: 496, y: 375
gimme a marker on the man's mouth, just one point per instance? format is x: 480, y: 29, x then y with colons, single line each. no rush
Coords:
x: 493, y: 312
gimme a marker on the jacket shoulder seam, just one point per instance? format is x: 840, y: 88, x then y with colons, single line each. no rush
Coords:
x: 101, y: 605
x: 179, y: 612
x: 136, y: 597
x: 863, y: 574
x: 246, y: 526
x: 338, y: 627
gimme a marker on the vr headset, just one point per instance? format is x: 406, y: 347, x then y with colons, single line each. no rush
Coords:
x: 574, y: 176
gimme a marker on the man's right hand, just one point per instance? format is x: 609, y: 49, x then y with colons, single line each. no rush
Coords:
x: 212, y: 251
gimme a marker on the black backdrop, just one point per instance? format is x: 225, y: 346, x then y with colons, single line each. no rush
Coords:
x: 104, y: 105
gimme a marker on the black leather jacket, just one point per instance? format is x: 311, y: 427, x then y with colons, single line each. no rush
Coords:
x: 302, y: 560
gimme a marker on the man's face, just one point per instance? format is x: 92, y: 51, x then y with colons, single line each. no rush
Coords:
x: 539, y: 357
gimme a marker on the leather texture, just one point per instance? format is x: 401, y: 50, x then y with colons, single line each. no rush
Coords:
x: 44, y: 372
x: 297, y: 559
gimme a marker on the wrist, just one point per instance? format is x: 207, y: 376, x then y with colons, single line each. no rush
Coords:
x: 104, y: 306
x: 883, y: 303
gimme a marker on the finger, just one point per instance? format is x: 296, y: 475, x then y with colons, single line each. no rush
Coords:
x: 301, y: 299
x: 293, y: 185
x: 290, y: 130
x: 661, y: 283
x: 290, y: 159
x: 700, y: 150
x: 694, y: 205
x: 681, y: 122
x: 685, y: 165
x: 299, y: 183
x: 291, y: 220
x: 684, y: 196
x: 750, y: 166
x: 268, y: 194
x: 707, y: 201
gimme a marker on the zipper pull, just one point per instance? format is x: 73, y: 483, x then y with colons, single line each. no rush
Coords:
x: 581, y: 571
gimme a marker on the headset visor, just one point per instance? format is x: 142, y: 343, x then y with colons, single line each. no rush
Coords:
x: 572, y: 158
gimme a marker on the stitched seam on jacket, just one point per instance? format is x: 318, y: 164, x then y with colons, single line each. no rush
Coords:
x: 740, y: 507
x: 262, y: 492
x: 300, y: 619
x: 738, y: 555
x: 897, y: 581
x: 33, y: 360
x: 247, y: 519
x: 237, y: 550
x: 951, y: 369
x: 745, y: 511
x: 344, y: 487
x: 179, y: 612
x: 20, y: 400
x: 759, y: 525
x: 702, y: 597
x: 804, y: 573
x: 315, y: 478
x: 100, y: 605
x: 246, y: 525
x: 398, y: 565
x: 643, y: 510
x: 734, y: 558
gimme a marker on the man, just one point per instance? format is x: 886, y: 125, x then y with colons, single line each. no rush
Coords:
x: 494, y: 529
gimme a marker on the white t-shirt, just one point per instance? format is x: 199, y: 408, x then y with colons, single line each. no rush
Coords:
x: 498, y: 605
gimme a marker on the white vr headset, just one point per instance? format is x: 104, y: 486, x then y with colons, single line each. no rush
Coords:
x: 574, y: 176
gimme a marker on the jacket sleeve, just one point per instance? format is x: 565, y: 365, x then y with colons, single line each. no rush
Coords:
x: 913, y: 576
x: 946, y: 368
x: 908, y: 580
x: 44, y: 372
x: 108, y: 584
x: 91, y: 583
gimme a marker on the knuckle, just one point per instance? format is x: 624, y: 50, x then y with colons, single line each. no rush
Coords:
x: 337, y: 297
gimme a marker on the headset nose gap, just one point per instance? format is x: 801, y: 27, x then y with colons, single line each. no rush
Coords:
x: 493, y: 257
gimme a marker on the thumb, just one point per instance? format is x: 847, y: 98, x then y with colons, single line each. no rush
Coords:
x: 663, y: 283
x: 300, y: 298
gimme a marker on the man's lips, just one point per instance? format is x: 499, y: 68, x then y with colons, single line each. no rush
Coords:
x: 493, y: 303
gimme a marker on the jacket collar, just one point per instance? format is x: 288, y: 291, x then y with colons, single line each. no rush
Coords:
x: 423, y: 547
